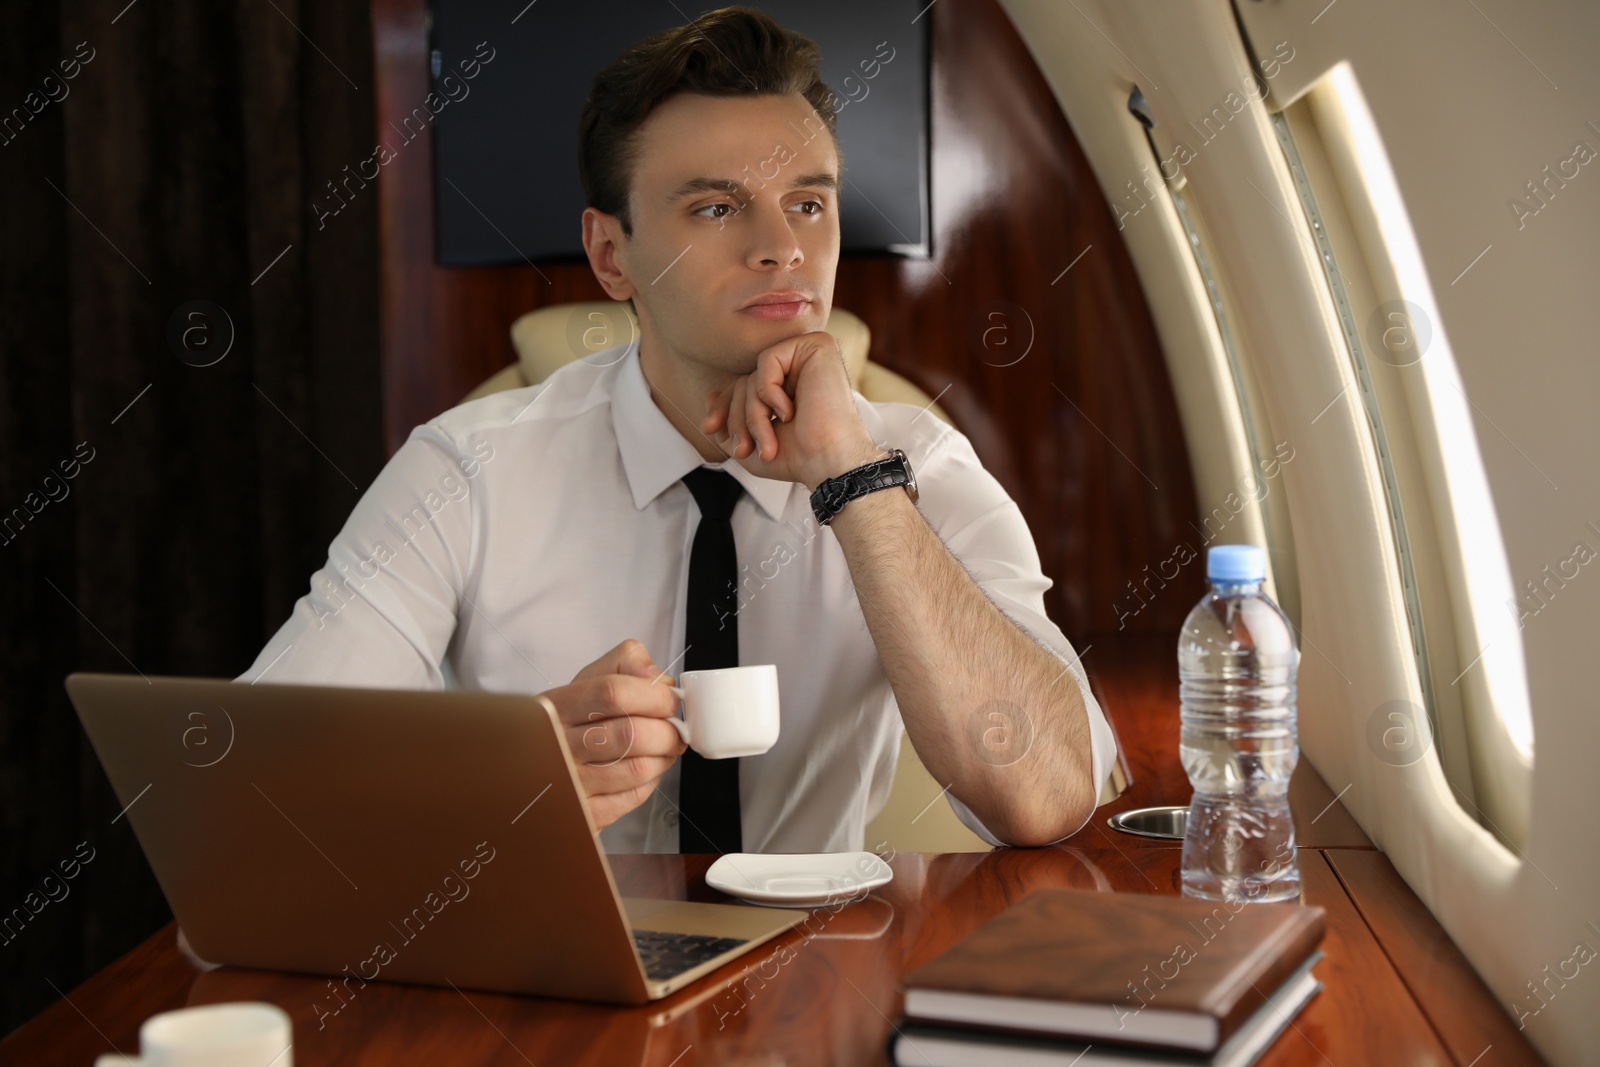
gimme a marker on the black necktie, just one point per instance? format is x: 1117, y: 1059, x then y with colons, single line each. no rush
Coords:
x: 708, y: 790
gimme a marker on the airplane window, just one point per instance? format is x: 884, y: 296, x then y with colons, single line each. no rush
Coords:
x: 1462, y: 606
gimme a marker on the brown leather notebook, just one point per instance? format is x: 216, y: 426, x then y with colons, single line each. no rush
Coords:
x: 1155, y: 971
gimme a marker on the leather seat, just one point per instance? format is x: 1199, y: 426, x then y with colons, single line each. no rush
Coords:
x: 551, y: 337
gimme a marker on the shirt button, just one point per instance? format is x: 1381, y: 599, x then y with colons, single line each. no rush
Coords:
x: 670, y: 818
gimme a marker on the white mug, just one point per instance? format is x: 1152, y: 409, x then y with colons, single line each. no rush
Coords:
x: 729, y: 711
x: 247, y: 1034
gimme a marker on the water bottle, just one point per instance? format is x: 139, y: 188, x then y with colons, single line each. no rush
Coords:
x: 1239, y: 743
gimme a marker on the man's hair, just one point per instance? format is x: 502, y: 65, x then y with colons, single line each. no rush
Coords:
x: 733, y: 51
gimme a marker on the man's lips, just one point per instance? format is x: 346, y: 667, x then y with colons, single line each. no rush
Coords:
x: 781, y: 304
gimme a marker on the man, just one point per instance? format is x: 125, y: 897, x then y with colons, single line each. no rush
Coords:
x: 554, y: 532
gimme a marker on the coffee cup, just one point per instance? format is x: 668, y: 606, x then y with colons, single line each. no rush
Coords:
x: 246, y: 1034
x: 729, y: 711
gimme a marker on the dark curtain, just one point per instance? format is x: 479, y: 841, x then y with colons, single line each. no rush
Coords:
x: 160, y: 507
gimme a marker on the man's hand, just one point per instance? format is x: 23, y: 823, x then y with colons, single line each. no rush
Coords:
x: 615, y: 714
x: 802, y: 383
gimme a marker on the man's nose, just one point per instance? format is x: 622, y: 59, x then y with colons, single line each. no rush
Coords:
x: 772, y: 239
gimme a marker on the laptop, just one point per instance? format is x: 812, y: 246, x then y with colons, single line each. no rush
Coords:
x: 433, y: 837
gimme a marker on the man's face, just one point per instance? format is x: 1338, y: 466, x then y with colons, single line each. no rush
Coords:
x: 731, y: 201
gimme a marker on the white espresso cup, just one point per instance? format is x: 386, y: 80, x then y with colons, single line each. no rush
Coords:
x: 247, y: 1034
x: 730, y: 711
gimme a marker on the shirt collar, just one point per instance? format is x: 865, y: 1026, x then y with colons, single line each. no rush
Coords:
x: 655, y: 454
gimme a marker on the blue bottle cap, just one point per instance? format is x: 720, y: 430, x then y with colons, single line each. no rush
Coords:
x: 1236, y: 563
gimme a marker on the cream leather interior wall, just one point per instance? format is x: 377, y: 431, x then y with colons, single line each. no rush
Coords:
x: 1468, y: 117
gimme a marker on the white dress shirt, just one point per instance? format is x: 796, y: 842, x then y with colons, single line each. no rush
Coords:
x: 513, y: 540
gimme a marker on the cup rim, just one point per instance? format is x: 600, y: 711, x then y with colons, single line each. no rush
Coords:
x: 773, y: 667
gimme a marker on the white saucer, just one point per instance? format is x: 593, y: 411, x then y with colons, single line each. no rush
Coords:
x: 798, y: 881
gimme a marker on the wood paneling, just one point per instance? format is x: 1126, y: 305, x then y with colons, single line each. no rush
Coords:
x: 1082, y: 430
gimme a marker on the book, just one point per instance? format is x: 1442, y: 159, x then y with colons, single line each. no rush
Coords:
x: 1131, y: 969
x: 927, y: 1046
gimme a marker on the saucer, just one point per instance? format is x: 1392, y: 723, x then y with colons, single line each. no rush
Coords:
x: 804, y: 880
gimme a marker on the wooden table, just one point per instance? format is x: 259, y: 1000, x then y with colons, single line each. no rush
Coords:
x: 1397, y: 991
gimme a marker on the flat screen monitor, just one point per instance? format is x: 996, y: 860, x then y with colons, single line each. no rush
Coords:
x: 505, y: 139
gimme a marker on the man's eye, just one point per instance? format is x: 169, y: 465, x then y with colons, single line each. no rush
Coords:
x: 811, y: 203
x: 708, y: 207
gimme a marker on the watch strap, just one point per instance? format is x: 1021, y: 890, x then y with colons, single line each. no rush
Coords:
x: 830, y: 497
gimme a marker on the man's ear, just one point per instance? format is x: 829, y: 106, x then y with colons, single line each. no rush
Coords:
x: 606, y: 247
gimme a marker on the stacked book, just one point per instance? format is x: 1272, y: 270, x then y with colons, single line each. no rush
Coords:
x: 1071, y: 978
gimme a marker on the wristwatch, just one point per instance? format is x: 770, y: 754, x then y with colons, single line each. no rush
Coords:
x: 829, y: 498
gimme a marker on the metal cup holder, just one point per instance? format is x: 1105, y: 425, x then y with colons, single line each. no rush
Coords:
x: 1166, y: 823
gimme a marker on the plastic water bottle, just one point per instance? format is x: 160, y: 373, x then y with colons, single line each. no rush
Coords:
x: 1239, y: 742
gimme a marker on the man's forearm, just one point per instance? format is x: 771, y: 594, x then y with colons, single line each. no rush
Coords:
x: 995, y: 717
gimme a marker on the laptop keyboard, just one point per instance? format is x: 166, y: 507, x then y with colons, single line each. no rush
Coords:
x: 666, y: 955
